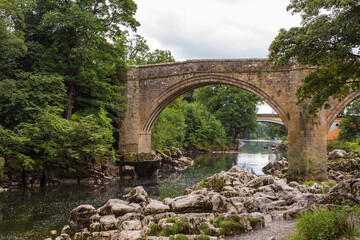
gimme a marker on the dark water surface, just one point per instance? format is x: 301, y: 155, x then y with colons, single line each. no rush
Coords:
x: 33, y: 213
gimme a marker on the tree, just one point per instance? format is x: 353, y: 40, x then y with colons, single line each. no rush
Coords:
x: 80, y: 41
x: 232, y: 106
x: 11, y: 37
x: 329, y: 39
x: 137, y: 52
x: 350, y: 125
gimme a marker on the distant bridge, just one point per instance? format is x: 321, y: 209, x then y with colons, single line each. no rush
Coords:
x: 333, y: 132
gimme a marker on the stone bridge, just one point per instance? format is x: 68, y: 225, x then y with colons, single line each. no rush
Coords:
x: 150, y: 88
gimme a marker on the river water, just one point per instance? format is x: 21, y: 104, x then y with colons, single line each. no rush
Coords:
x: 33, y: 213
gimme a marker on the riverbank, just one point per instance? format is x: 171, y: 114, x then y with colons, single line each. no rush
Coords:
x: 225, y: 204
x: 161, y: 164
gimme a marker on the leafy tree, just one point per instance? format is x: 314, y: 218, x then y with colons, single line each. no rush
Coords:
x: 53, y: 141
x: 11, y: 37
x: 277, y: 131
x: 79, y: 40
x: 232, y: 106
x: 350, y: 125
x: 203, y: 130
x: 169, y: 128
x: 22, y: 99
x: 137, y: 52
x: 328, y: 38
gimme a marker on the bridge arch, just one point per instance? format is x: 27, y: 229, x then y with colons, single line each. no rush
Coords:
x: 333, y: 113
x: 151, y: 88
x: 188, y: 84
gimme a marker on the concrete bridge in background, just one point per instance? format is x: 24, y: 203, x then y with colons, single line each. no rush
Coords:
x: 333, y: 132
x: 150, y: 88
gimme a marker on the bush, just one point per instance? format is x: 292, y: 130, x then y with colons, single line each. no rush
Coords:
x: 324, y: 224
x: 53, y: 141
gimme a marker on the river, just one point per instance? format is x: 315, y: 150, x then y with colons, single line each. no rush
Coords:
x: 33, y: 213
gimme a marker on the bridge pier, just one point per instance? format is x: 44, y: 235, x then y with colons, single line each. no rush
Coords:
x: 307, y: 143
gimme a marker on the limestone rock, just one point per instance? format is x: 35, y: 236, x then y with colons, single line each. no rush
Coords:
x: 137, y: 195
x: 63, y: 236
x: 131, y: 225
x: 155, y: 207
x: 337, y: 153
x: 108, y: 222
x: 345, y: 190
x: 79, y: 217
x: 192, y: 203
x: 66, y: 229
x: 116, y: 207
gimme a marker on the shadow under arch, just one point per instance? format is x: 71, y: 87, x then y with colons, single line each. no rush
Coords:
x: 176, y: 90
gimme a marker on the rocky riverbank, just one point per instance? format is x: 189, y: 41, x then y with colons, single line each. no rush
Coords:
x: 225, y: 204
x: 342, y: 165
x: 163, y: 164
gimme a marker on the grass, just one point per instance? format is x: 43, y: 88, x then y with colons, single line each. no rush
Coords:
x: 323, y: 224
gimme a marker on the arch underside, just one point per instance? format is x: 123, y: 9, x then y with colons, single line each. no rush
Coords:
x: 270, y: 121
x: 332, y: 115
x: 181, y: 87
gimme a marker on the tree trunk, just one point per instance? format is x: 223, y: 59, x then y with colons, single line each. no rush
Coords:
x: 71, y: 101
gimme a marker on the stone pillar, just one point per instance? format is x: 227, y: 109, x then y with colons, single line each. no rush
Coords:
x: 307, y: 141
x: 130, y: 129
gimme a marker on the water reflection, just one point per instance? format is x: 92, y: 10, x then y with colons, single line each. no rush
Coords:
x: 253, y: 156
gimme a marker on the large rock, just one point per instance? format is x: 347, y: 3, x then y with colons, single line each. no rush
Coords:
x: 137, y: 195
x: 155, y: 207
x: 192, y: 203
x: 116, y: 207
x: 108, y: 222
x: 80, y: 217
x: 131, y: 225
x: 345, y: 190
x: 337, y: 153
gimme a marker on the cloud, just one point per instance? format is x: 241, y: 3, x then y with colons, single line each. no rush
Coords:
x: 193, y: 29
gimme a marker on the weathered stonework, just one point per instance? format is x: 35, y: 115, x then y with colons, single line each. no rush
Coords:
x: 151, y: 88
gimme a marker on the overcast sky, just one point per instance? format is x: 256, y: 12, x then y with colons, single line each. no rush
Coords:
x: 213, y: 29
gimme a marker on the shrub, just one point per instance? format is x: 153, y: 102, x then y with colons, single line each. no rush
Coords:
x: 228, y: 228
x: 324, y: 224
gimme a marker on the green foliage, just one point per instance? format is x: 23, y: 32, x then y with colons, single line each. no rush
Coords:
x: 353, y: 146
x: 234, y: 107
x: 55, y: 142
x: 324, y: 224
x: 187, y: 125
x: 269, y: 131
x: 350, y: 125
x: 203, y: 130
x: 22, y: 99
x: 181, y: 237
x: 169, y: 230
x: 255, y: 221
x: 154, y: 229
x: 82, y: 42
x: 169, y: 129
x: 328, y: 38
x: 202, y: 237
x: 228, y: 228
x: 11, y: 37
x: 137, y: 52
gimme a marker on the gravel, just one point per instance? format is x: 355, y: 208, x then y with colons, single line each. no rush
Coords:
x: 279, y: 230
